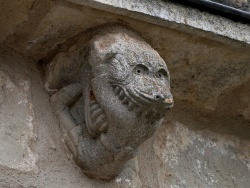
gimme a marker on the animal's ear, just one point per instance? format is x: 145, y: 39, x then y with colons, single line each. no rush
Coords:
x: 62, y: 70
x: 118, y: 68
x: 101, y: 49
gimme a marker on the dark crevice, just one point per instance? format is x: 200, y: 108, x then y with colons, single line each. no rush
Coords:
x: 218, y: 9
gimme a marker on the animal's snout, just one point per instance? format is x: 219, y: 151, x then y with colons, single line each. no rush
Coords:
x: 166, y: 99
x: 169, y: 101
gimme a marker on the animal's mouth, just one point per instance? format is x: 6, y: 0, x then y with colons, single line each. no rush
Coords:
x: 155, y: 98
x: 134, y: 98
x: 125, y: 97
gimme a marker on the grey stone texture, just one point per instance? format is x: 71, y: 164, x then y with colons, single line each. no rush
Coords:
x: 204, y: 141
x: 191, y: 149
x: 112, y: 94
x: 16, y: 120
x: 168, y: 14
x: 35, y: 28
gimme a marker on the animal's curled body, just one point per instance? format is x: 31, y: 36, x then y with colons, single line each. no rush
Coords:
x: 111, y: 100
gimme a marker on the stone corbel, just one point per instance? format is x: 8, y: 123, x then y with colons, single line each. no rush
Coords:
x: 111, y: 94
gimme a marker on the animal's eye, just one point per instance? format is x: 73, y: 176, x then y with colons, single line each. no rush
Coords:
x: 162, y: 73
x: 141, y: 69
x: 159, y: 75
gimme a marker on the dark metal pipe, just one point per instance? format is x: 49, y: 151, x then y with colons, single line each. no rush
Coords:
x: 218, y: 8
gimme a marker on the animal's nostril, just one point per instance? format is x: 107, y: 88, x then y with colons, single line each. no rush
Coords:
x: 157, y: 97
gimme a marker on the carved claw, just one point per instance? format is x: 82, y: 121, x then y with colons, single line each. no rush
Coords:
x: 125, y: 154
x: 72, y: 139
x: 103, y: 127
x: 121, y: 95
x: 98, y: 117
x: 61, y: 100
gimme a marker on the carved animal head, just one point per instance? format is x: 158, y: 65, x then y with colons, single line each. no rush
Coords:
x: 136, y: 72
x: 141, y: 80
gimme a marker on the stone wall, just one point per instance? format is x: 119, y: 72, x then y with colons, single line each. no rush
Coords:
x: 204, y: 140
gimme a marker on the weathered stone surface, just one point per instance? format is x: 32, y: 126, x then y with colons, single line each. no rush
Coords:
x: 201, y: 158
x: 218, y: 62
x: 16, y: 120
x: 179, y: 155
x: 168, y: 14
x: 210, y: 78
x: 49, y: 163
x: 13, y: 15
x: 34, y: 28
x: 111, y: 100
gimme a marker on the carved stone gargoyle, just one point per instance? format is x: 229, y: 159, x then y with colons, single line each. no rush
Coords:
x: 111, y: 94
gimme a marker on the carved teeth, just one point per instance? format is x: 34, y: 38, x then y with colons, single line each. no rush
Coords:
x: 125, y: 100
x: 121, y: 95
x: 117, y: 90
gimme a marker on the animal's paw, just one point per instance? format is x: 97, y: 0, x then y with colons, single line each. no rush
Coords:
x: 125, y: 154
x: 72, y: 139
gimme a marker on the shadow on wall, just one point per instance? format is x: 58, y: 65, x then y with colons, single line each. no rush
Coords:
x: 232, y: 115
x: 236, y: 101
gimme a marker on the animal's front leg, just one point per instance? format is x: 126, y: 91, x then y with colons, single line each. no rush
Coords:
x: 61, y: 100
